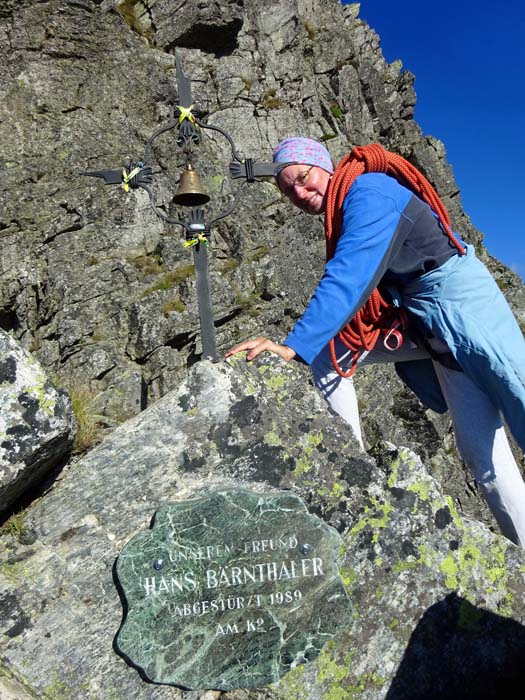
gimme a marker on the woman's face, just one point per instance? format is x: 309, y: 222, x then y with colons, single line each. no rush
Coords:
x: 305, y: 186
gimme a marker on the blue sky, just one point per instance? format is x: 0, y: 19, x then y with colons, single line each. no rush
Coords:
x: 469, y: 61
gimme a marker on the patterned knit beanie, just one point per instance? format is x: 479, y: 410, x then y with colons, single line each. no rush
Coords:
x: 304, y: 151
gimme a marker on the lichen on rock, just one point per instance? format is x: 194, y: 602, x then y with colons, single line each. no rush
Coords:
x: 36, y: 422
x: 408, y: 560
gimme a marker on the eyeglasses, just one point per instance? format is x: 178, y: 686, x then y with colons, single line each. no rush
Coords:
x: 299, y: 181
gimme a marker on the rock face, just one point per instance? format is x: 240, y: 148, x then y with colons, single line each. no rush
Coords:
x: 36, y: 422
x: 437, y: 600
x: 92, y: 282
x: 102, y: 293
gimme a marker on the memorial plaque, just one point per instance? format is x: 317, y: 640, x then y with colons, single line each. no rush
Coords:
x: 230, y: 591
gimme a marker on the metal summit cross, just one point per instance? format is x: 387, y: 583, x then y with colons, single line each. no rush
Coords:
x: 186, y: 118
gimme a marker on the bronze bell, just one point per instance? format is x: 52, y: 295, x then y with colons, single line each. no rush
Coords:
x: 190, y: 192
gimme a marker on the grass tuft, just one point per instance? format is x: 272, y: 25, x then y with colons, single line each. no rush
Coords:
x: 88, y: 422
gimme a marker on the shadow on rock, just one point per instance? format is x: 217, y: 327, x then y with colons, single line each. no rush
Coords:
x: 461, y: 651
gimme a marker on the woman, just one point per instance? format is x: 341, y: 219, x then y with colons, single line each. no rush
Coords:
x: 468, y: 355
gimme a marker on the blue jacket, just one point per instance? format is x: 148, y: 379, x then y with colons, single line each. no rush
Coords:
x: 389, y: 235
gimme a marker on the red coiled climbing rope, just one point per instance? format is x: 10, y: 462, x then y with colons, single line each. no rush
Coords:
x: 376, y: 316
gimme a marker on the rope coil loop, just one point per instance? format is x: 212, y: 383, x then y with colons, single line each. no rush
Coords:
x: 376, y: 316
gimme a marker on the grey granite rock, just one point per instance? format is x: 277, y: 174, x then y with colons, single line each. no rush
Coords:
x: 437, y: 599
x: 36, y: 422
x: 102, y: 293
x: 90, y: 280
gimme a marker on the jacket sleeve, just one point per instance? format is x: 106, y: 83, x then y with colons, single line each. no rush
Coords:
x: 364, y: 249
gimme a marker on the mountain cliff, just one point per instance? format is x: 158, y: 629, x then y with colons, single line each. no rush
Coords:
x: 102, y: 293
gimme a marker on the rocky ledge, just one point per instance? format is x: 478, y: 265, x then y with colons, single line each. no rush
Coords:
x: 437, y: 599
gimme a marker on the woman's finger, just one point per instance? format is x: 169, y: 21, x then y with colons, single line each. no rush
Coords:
x: 245, y: 345
x: 259, y: 347
x: 256, y: 346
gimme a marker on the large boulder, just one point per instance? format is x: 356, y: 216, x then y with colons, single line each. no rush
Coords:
x: 438, y: 600
x: 36, y: 422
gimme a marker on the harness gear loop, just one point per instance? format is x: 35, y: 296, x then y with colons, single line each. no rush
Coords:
x: 393, y: 339
x: 199, y: 238
x: 127, y: 177
x: 376, y: 316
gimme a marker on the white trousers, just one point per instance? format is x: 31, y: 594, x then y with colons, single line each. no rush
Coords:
x: 478, y: 427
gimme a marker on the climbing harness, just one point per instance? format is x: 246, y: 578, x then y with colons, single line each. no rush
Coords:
x: 376, y: 316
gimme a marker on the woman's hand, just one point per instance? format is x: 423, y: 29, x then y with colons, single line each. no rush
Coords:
x: 258, y: 345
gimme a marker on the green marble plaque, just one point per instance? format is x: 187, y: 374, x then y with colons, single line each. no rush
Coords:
x: 230, y: 591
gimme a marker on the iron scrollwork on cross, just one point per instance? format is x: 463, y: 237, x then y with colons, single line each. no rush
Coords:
x: 188, y: 120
